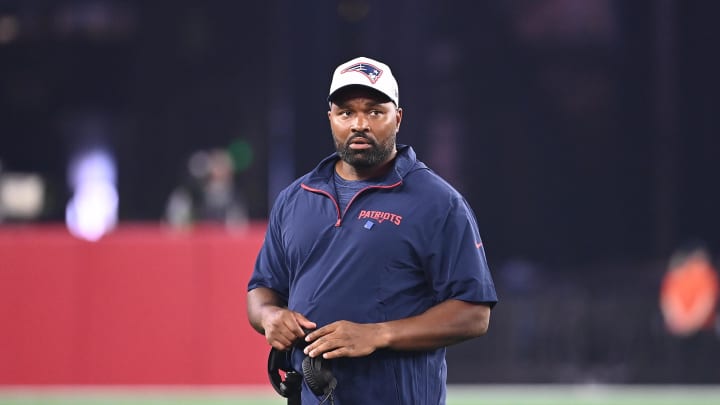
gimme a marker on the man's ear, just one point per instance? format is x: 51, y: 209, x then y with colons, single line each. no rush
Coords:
x: 398, y: 119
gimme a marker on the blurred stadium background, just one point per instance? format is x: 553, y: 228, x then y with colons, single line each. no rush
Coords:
x: 142, y: 144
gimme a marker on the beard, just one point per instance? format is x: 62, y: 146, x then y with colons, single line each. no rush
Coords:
x: 373, y: 156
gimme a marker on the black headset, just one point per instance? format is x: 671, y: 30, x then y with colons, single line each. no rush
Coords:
x: 315, y: 370
x: 280, y: 361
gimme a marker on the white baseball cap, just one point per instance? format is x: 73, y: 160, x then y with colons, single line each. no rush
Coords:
x: 366, y: 72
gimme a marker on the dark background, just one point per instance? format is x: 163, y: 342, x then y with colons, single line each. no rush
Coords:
x: 583, y: 133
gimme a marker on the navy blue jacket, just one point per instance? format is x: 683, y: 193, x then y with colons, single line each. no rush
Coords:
x: 399, y: 248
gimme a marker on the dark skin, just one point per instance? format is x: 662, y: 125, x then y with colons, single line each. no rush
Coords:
x: 366, y: 124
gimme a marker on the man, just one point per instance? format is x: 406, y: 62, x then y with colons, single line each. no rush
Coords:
x: 375, y: 254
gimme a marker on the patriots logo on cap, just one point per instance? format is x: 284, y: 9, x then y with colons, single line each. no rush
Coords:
x: 371, y: 72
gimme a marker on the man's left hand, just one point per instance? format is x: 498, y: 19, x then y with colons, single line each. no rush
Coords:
x: 344, y: 339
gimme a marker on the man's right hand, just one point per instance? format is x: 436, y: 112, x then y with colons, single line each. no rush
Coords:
x: 269, y: 315
x: 284, y: 327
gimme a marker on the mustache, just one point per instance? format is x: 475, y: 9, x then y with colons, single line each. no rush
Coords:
x: 360, y: 135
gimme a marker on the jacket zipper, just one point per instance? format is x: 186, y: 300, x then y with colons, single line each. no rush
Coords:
x: 337, y: 206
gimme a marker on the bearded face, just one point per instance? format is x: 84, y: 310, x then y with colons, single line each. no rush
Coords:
x: 363, y: 151
x: 364, y: 125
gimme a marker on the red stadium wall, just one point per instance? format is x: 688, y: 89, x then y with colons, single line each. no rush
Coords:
x: 144, y: 305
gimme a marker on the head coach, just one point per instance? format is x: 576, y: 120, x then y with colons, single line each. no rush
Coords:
x: 371, y: 261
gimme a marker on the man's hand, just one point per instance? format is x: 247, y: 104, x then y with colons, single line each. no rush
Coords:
x: 345, y: 339
x: 447, y: 323
x: 283, y: 327
x: 269, y: 315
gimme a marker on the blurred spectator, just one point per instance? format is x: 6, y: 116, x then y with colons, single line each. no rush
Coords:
x: 22, y: 196
x: 689, y: 293
x: 210, y: 195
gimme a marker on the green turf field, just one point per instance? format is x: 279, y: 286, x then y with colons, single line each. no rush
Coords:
x: 457, y: 395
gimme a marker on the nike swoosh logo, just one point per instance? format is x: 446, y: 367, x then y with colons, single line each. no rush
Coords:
x: 478, y: 245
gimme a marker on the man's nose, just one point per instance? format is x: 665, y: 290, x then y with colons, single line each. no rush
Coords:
x: 360, y: 124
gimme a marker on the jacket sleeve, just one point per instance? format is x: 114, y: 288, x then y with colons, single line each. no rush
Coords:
x: 270, y: 269
x: 458, y: 268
